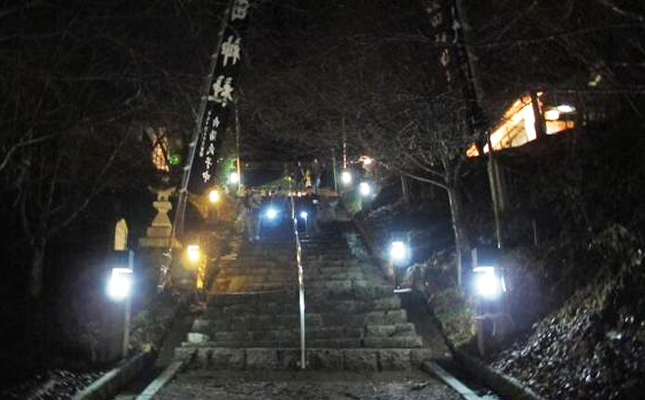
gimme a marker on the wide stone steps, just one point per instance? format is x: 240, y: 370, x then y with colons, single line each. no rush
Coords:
x: 331, y: 359
x: 313, y: 332
x: 353, y: 319
x: 372, y: 324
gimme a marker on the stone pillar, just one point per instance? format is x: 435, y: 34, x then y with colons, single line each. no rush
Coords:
x: 157, y: 241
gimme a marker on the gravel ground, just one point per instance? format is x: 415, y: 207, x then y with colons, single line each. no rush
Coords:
x: 308, y: 385
x: 56, y: 384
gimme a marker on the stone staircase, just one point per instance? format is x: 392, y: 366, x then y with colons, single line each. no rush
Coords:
x: 354, y: 321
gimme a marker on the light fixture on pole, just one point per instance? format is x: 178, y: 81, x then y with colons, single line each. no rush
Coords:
x: 346, y: 177
x: 234, y: 178
x: 399, y: 253
x: 304, y: 215
x: 488, y: 284
x: 399, y: 258
x: 193, y: 253
x: 119, y: 289
x: 214, y: 196
x: 365, y: 189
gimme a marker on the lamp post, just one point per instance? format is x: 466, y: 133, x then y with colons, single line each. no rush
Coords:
x: 214, y: 196
x: 119, y: 289
x: 365, y: 189
x: 305, y: 216
x: 489, y: 287
x: 196, y: 261
x: 346, y: 177
x: 399, y: 258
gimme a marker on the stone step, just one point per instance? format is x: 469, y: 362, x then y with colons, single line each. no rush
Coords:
x: 408, y: 341
x: 250, y: 322
x: 330, y: 359
x: 398, y: 331
x: 310, y: 278
x: 224, y: 304
x: 363, y: 292
x: 236, y: 286
x: 217, y: 318
x: 316, y: 305
x: 223, y: 299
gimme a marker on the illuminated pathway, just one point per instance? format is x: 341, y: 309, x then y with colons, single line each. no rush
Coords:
x: 360, y: 343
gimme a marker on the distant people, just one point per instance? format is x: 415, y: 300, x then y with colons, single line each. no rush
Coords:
x: 299, y: 177
x: 252, y: 202
x: 316, y: 172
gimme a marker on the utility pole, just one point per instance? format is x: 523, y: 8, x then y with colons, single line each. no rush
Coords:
x: 477, y: 113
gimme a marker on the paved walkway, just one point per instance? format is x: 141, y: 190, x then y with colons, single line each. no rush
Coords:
x: 218, y: 385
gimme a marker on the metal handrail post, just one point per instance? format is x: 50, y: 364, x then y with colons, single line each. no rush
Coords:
x: 301, y: 285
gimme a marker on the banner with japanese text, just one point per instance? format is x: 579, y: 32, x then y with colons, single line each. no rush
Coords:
x: 220, y: 98
x: 442, y: 33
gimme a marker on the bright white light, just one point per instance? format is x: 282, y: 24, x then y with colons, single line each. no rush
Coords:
x: 398, y: 251
x: 271, y: 213
x: 234, y: 178
x: 365, y: 188
x: 486, y: 282
x: 346, y: 177
x: 566, y: 109
x: 193, y: 253
x: 552, y: 114
x: 366, y: 160
x: 120, y: 284
x: 303, y: 214
x: 213, y: 196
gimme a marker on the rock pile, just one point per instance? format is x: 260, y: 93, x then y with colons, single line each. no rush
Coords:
x: 593, y: 347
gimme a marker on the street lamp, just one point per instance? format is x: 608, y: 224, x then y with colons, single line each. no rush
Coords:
x: 234, y: 178
x: 399, y: 257
x: 346, y: 177
x: 119, y: 285
x: 119, y: 289
x: 305, y: 215
x: 365, y: 189
x: 193, y: 253
x: 399, y: 253
x: 214, y: 196
x: 487, y: 284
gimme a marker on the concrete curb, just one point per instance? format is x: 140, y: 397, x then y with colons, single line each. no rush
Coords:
x: 433, y: 368
x: 165, y: 377
x: 112, y: 381
x: 504, y: 385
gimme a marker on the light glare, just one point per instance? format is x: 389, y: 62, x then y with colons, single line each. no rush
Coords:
x: 193, y: 253
x: 271, y: 213
x: 234, y: 177
x: 120, y: 284
x: 486, y: 282
x: 566, y: 109
x: 365, y: 188
x: 214, y: 196
x: 346, y: 177
x: 398, y: 251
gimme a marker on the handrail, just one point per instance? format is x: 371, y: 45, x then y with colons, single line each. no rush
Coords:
x: 301, y: 284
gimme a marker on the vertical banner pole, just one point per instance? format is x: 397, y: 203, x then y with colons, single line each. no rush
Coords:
x: 178, y: 226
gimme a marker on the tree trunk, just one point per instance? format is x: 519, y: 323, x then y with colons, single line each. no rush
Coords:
x: 462, y: 245
x: 37, y: 267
